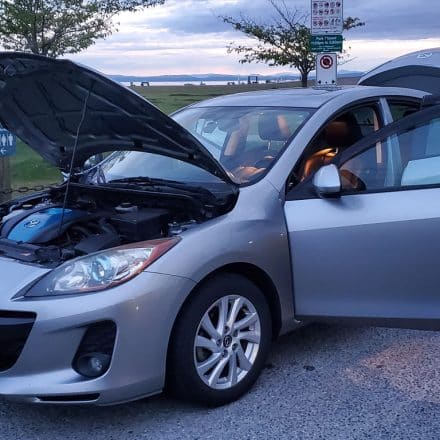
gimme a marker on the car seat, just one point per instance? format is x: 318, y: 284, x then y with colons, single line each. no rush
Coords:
x: 337, y: 136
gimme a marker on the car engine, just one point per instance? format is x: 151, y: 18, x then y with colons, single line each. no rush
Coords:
x: 38, y: 229
x: 86, y: 232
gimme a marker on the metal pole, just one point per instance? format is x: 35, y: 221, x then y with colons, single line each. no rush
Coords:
x: 5, y: 178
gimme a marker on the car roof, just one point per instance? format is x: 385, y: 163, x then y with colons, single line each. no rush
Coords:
x: 301, y: 97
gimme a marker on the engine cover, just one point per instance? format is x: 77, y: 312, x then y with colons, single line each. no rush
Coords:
x: 40, y: 226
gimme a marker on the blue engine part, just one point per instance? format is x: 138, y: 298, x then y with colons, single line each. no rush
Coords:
x: 43, y: 226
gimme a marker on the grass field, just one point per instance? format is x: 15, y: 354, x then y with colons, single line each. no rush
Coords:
x: 28, y: 168
x: 171, y: 98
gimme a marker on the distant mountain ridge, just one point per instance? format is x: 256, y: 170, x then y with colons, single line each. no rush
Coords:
x: 218, y: 77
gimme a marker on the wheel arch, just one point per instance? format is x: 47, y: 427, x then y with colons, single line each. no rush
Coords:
x: 259, y: 277
x: 254, y: 274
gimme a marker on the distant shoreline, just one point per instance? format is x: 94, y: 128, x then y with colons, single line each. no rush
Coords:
x: 217, y: 79
x: 196, y: 83
x: 345, y: 79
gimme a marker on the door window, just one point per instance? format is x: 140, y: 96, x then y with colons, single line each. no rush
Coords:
x: 408, y: 159
x: 334, y: 138
x: 400, y: 109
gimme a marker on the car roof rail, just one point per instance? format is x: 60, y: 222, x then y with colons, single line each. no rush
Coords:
x: 430, y: 100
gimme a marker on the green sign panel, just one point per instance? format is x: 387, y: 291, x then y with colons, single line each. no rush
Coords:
x: 326, y: 43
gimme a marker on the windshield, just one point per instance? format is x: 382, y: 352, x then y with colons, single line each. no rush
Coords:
x: 134, y: 164
x: 245, y: 140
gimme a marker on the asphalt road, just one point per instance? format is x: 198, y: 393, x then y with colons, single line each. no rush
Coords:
x: 321, y: 382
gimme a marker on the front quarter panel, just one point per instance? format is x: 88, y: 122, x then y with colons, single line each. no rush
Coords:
x: 254, y: 232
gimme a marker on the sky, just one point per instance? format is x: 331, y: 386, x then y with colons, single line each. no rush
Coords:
x: 187, y: 36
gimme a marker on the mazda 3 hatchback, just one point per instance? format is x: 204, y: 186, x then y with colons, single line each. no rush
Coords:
x: 178, y: 248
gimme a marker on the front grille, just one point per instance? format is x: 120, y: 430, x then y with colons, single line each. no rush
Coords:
x: 14, y: 331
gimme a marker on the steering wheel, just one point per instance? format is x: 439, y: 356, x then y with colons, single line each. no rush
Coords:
x: 264, y: 162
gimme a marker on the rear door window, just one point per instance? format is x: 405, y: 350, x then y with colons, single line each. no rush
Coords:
x: 400, y: 109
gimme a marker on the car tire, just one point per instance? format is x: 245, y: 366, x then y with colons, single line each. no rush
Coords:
x: 240, y: 350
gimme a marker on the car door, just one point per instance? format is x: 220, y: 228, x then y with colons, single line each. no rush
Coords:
x: 372, y: 253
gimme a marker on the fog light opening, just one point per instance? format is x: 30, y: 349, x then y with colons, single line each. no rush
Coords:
x: 95, y: 351
x: 93, y: 364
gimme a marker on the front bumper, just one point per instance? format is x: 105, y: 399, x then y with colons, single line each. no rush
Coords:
x: 143, y: 309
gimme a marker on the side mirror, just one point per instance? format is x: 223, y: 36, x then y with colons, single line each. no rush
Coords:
x: 327, y: 181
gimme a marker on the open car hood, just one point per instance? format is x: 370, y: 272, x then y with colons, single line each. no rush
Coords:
x: 42, y: 102
x: 416, y: 70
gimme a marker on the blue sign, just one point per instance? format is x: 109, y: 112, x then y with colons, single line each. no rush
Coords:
x: 8, y: 143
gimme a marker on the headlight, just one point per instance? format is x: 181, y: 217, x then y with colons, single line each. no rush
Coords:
x: 102, y: 270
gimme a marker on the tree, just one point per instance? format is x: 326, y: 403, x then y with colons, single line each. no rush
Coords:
x: 57, y: 27
x: 285, y: 41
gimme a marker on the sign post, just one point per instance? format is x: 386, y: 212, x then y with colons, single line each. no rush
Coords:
x: 5, y: 179
x: 327, y: 24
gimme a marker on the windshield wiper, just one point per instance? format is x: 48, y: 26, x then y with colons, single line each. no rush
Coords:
x: 136, y: 182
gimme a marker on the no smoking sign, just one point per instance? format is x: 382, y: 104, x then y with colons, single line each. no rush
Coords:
x: 326, y: 69
x: 326, y: 62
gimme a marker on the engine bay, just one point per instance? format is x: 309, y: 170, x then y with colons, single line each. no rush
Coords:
x: 37, y: 229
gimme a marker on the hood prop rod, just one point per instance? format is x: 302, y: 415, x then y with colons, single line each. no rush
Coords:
x: 72, y: 160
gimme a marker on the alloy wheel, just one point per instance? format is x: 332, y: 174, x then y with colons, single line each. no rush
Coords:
x: 227, y: 342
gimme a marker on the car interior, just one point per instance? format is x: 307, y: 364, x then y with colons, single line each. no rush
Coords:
x: 249, y: 142
x: 254, y: 144
x: 335, y: 137
x: 408, y: 159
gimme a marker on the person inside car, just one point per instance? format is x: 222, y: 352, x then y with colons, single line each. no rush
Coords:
x: 337, y: 135
x: 244, y: 163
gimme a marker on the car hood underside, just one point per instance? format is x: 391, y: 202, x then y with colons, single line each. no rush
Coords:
x: 48, y: 102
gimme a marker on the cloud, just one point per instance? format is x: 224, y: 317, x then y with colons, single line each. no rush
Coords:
x: 187, y: 36
x: 388, y: 19
x: 395, y: 20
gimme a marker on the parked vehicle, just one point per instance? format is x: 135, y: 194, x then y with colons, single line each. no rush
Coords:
x: 191, y: 243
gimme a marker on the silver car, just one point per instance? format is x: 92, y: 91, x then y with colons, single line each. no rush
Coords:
x: 178, y: 249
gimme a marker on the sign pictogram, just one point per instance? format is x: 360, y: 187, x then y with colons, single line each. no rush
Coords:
x: 326, y: 62
x: 327, y: 17
x: 8, y: 143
